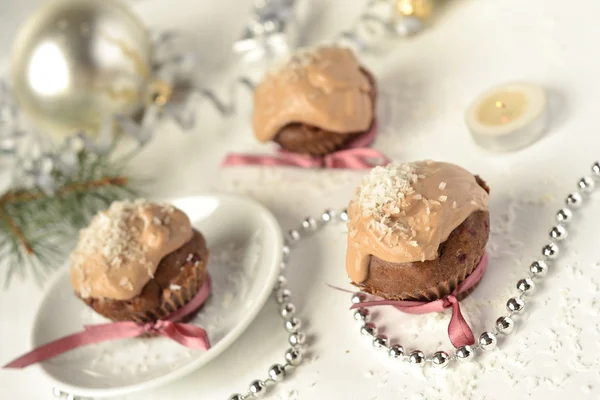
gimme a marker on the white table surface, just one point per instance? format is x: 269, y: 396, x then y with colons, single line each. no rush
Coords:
x: 427, y: 84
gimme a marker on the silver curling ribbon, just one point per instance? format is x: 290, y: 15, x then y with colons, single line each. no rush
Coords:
x: 271, y: 32
x: 183, y: 111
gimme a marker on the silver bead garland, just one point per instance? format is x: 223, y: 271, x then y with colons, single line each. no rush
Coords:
x: 504, y: 325
x: 292, y: 324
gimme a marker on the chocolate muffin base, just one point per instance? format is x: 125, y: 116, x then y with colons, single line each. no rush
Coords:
x: 309, y: 139
x: 178, y: 278
x: 430, y: 280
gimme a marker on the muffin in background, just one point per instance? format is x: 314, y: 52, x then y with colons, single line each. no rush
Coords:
x: 316, y: 102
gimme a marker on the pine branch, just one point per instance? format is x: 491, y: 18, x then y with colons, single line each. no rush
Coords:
x: 37, y: 229
x: 16, y: 231
x: 17, y: 196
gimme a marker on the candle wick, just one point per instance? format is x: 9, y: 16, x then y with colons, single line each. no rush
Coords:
x: 500, y: 104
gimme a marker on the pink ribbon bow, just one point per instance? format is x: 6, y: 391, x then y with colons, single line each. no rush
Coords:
x: 187, y: 335
x: 459, y: 332
x: 355, y: 155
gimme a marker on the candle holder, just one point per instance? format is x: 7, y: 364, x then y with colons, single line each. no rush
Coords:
x: 508, y: 117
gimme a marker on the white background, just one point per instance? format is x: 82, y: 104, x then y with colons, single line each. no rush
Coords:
x: 427, y: 83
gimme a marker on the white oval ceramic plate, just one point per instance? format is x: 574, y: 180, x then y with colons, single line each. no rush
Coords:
x: 244, y: 242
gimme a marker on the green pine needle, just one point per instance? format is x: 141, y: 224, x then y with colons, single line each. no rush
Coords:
x: 37, y: 230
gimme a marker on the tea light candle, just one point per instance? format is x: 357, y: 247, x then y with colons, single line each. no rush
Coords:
x: 509, y: 116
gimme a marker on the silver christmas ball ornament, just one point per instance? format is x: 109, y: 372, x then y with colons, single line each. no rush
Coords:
x: 596, y: 168
x: 77, y: 62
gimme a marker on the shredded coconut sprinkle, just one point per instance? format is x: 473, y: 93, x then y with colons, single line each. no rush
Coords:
x: 111, y: 235
x: 383, y: 193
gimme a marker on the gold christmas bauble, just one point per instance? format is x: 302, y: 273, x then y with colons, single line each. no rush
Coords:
x: 76, y: 62
x: 421, y: 9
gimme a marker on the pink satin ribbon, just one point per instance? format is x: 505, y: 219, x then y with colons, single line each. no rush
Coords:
x: 459, y: 332
x: 187, y: 335
x: 355, y: 155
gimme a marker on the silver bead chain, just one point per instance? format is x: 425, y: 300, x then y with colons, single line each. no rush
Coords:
x: 505, y: 323
x: 292, y: 324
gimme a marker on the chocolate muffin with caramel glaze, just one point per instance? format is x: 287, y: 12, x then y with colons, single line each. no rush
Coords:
x: 139, y: 261
x: 416, y: 230
x: 316, y: 102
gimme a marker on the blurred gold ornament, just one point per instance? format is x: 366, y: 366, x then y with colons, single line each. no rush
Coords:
x: 421, y: 9
x: 160, y: 92
x: 77, y: 62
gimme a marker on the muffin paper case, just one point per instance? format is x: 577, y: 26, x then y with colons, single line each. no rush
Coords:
x: 459, y: 332
x: 175, y: 299
x: 355, y: 155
